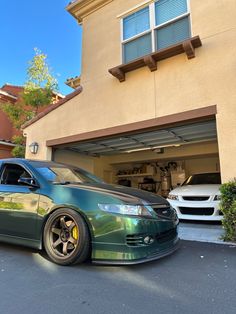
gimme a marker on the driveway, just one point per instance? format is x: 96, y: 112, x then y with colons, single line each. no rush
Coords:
x: 198, y: 278
x: 201, y: 231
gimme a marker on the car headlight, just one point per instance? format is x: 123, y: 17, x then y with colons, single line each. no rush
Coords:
x: 173, y: 197
x: 217, y: 197
x: 125, y: 209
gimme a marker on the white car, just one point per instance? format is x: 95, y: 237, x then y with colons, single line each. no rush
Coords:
x: 198, y: 197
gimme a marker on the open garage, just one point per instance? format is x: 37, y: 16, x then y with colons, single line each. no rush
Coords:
x: 154, y: 159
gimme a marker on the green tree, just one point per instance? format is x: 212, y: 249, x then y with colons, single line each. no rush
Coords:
x: 41, y: 86
x: 39, y: 91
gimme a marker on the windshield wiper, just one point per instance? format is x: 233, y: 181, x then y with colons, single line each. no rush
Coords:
x: 65, y: 182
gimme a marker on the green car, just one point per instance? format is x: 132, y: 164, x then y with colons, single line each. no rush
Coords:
x: 75, y: 216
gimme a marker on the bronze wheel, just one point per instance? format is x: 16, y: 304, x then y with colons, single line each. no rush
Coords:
x: 66, y: 237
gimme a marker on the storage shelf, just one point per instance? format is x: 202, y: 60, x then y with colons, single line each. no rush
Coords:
x: 134, y: 175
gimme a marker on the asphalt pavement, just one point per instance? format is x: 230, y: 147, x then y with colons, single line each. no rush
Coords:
x: 198, y: 278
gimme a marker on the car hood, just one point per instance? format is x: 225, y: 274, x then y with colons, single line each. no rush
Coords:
x: 126, y: 194
x: 201, y: 189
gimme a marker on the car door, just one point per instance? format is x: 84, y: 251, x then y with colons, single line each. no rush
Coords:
x: 18, y: 203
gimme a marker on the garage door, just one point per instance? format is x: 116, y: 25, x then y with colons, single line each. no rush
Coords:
x: 155, y: 140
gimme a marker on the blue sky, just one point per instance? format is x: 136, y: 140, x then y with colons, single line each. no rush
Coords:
x: 45, y: 24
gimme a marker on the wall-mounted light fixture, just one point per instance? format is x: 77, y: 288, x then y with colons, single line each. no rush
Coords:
x: 34, y: 147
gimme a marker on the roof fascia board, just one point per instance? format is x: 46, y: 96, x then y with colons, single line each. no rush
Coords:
x: 5, y: 143
x: 7, y: 94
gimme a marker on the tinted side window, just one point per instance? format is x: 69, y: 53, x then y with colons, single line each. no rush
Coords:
x: 11, y: 174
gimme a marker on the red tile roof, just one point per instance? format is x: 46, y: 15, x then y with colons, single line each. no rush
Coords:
x: 12, y: 89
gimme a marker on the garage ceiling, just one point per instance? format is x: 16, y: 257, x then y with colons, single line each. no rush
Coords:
x: 152, y: 140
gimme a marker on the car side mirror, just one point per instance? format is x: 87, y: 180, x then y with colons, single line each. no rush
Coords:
x: 28, y: 181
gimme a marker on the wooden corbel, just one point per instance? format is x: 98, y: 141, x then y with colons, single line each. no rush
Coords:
x: 189, y: 49
x: 150, y: 62
x: 118, y: 73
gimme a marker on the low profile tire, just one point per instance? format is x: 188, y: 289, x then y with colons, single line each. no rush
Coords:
x: 66, y: 237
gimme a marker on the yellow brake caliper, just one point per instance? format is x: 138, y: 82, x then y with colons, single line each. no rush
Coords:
x: 75, y: 233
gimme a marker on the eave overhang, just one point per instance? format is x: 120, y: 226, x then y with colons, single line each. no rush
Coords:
x: 73, y: 82
x: 79, y: 9
x: 4, y: 93
x: 7, y: 143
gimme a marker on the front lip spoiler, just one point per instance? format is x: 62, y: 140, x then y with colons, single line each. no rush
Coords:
x: 142, y: 260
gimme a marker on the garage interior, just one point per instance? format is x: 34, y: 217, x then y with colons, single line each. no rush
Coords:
x: 156, y: 160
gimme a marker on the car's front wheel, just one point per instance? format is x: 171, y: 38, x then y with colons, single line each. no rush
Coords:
x: 66, y: 237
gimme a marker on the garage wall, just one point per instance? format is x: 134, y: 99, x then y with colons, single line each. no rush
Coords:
x: 74, y: 159
x: 198, y: 165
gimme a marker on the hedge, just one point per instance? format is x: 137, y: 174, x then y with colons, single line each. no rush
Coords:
x: 228, y: 208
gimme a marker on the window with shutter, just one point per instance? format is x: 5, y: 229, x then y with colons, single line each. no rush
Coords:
x: 136, y: 35
x: 172, y: 22
x: 161, y: 24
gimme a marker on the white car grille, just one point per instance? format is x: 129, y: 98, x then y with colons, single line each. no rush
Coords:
x: 195, y: 198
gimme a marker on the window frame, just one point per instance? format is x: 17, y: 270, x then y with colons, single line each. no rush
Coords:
x: 153, y: 26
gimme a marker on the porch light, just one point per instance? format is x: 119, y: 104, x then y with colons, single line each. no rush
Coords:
x: 34, y: 147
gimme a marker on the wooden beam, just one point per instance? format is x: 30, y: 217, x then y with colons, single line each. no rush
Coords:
x: 118, y: 73
x: 189, y: 49
x: 150, y: 62
x: 188, y: 46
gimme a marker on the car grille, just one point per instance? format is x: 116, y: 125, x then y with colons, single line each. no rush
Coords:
x: 134, y: 239
x: 195, y: 198
x: 163, y: 211
x: 197, y: 211
x: 166, y: 236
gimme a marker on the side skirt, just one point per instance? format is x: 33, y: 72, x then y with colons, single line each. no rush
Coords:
x: 36, y: 244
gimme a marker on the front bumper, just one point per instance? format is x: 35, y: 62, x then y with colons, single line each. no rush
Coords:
x: 197, y: 210
x: 126, y: 245
x: 149, y: 258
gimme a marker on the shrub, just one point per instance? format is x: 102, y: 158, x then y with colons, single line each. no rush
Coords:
x: 228, y: 208
x: 19, y: 150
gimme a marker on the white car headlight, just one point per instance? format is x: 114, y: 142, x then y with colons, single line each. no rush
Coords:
x: 217, y: 197
x: 125, y: 209
x: 173, y: 197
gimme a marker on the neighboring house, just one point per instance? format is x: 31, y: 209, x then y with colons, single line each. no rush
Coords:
x: 156, y: 95
x: 10, y: 94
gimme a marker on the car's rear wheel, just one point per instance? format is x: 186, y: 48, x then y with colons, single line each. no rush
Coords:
x: 66, y: 237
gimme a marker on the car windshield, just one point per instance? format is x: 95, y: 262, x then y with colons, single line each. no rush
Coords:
x: 203, y: 178
x: 66, y: 175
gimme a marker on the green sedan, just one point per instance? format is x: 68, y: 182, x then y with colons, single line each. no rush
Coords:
x: 75, y: 216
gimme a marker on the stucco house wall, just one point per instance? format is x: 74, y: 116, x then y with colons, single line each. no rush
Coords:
x: 178, y: 84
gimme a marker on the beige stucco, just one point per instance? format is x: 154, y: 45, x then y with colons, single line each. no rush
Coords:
x: 178, y: 85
